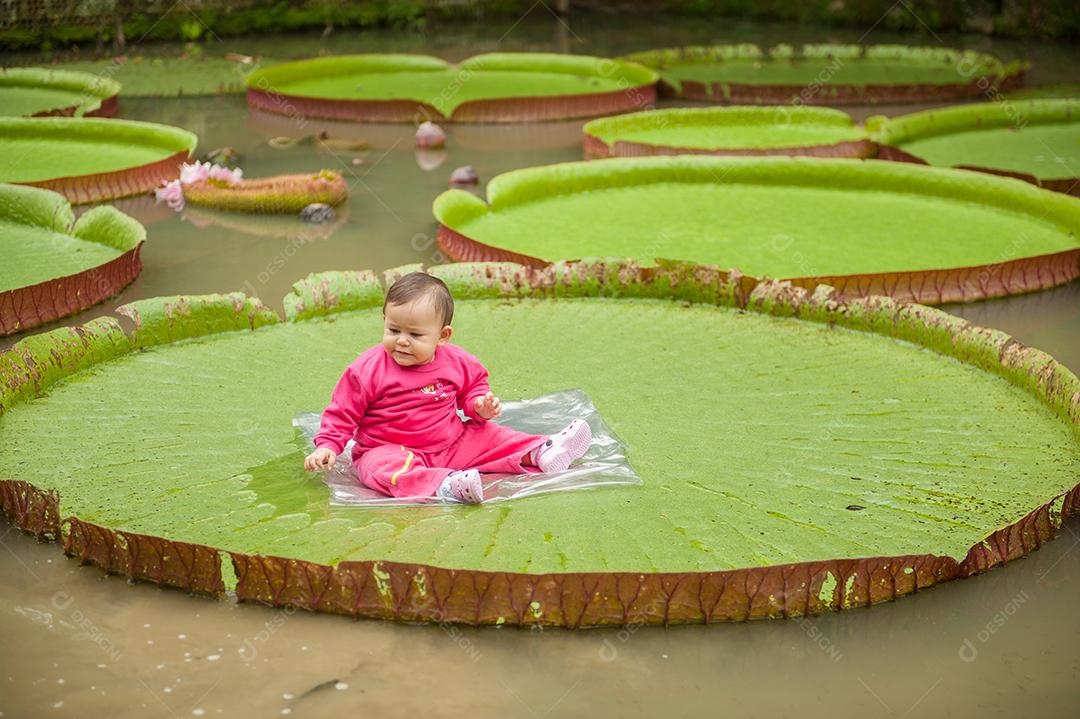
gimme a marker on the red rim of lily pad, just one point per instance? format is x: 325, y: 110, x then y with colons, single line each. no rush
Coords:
x: 931, y: 286
x: 102, y: 186
x: 418, y: 592
x: 639, y: 91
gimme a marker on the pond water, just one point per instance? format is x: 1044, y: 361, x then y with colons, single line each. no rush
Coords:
x: 79, y: 643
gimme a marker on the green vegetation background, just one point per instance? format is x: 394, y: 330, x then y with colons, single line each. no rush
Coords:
x: 36, y: 25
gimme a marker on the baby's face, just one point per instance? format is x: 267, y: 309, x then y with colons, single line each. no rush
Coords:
x: 412, y: 331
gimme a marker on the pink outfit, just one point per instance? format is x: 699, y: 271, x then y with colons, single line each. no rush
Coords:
x: 405, y: 423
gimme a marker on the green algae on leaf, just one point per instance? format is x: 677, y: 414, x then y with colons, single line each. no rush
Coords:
x: 871, y: 227
x: 1066, y: 91
x: 54, y: 265
x: 328, y: 292
x: 190, y: 441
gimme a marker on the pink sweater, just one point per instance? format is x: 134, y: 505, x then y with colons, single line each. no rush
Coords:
x: 378, y: 402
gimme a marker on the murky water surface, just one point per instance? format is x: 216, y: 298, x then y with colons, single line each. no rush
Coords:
x: 77, y: 643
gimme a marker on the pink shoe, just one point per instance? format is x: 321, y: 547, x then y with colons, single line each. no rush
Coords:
x: 462, y: 486
x: 561, y: 449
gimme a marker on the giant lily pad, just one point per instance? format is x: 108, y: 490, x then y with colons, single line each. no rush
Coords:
x: 800, y: 454
x: 497, y: 87
x: 827, y: 74
x: 814, y: 131
x: 54, y: 266
x: 37, y: 91
x: 869, y: 227
x: 91, y: 159
x: 1035, y: 140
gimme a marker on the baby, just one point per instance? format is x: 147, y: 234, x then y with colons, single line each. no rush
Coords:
x: 399, y: 401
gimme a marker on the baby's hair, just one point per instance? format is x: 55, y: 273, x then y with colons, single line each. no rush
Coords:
x: 419, y: 284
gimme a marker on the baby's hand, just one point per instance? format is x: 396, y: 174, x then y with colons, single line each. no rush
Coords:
x: 321, y: 458
x: 488, y: 406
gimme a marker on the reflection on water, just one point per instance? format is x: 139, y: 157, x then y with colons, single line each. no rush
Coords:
x: 77, y: 643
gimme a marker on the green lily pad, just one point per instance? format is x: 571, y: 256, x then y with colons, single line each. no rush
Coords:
x: 39, y: 91
x: 1034, y: 137
x: 420, y: 86
x: 910, y: 231
x: 826, y: 74
x: 728, y: 130
x: 91, y: 159
x: 53, y: 265
x: 752, y: 445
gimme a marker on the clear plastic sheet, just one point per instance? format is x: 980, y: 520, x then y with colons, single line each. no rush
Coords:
x: 605, y: 463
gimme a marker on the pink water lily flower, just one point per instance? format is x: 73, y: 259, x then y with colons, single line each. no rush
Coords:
x: 224, y: 174
x: 172, y: 194
x: 194, y: 172
x: 201, y: 171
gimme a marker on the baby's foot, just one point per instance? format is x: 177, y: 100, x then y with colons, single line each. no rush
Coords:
x: 561, y: 449
x: 462, y: 486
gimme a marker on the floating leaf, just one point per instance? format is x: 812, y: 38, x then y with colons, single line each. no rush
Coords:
x: 755, y: 422
x: 827, y: 74
x: 495, y: 87
x: 818, y: 132
x: 91, y: 159
x: 912, y: 232
x: 34, y: 91
x: 1035, y: 139
x: 55, y: 266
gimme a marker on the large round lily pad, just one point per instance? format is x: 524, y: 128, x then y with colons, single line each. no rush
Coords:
x: 1036, y: 140
x: 814, y: 131
x: 497, y: 87
x: 827, y: 74
x: 800, y: 454
x: 54, y: 266
x: 91, y: 159
x: 34, y: 91
x: 868, y: 227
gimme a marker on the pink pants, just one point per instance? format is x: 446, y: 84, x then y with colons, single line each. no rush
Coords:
x: 402, y: 472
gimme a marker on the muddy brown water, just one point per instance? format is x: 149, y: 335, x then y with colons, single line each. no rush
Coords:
x: 78, y: 643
